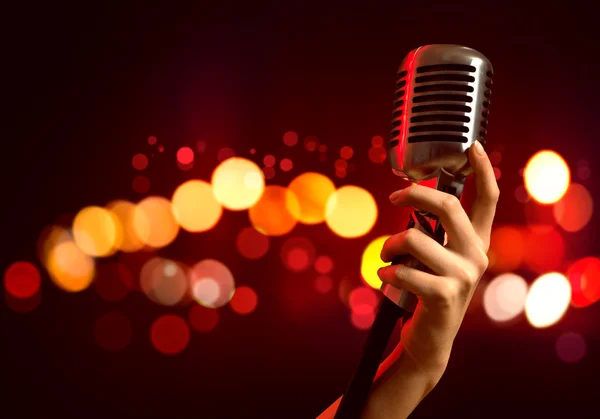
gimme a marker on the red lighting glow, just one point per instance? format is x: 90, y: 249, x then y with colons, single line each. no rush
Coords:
x: 22, y: 280
x: 152, y: 140
x: 346, y: 152
x: 570, y: 347
x: 362, y: 321
x: 269, y: 160
x: 113, y: 281
x: 286, y: 165
x: 203, y: 319
x: 141, y: 184
x: 323, y: 284
x: 225, y: 153
x: 377, y: 141
x: 584, y: 276
x: 323, y: 264
x: 244, y: 300
x: 290, y: 138
x: 252, y: 244
x: 311, y: 143
x: 547, y: 257
x: 139, y: 161
x: 185, y: 155
x: 297, y: 254
x: 170, y: 334
x: 377, y: 154
x: 363, y: 300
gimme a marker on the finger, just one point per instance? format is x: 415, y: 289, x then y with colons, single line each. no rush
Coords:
x: 426, y: 286
x: 484, y: 206
x: 423, y: 248
x: 447, y: 207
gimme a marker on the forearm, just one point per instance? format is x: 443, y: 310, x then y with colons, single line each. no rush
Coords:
x: 399, y: 387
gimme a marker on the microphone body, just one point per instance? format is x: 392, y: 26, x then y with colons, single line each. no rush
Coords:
x: 441, y: 107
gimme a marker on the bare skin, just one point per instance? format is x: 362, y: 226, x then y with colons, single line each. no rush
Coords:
x: 419, y: 361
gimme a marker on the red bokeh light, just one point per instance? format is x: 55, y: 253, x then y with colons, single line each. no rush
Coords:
x: 340, y: 164
x: 251, y: 243
x: 311, y: 143
x: 286, y: 165
x: 290, y: 138
x: 170, y: 334
x: 570, y: 347
x: 341, y: 173
x: 377, y: 141
x: 152, y: 140
x: 323, y: 284
x: 495, y: 158
x: 346, y: 152
x: 113, y: 281
x: 200, y: 146
x: 269, y: 172
x: 584, y: 276
x: 323, y: 264
x: 298, y: 253
x: 297, y: 259
x: 139, y: 161
x: 225, y: 153
x: 244, y: 300
x: 22, y: 280
x: 252, y: 151
x: 362, y: 321
x: 113, y: 331
x: 23, y: 305
x: 141, y: 184
x: 269, y: 160
x: 507, y: 248
x: 323, y: 148
x: 363, y: 300
x: 377, y: 154
x: 545, y: 249
x: 185, y: 155
x: 497, y: 173
x: 203, y: 319
x: 161, y: 148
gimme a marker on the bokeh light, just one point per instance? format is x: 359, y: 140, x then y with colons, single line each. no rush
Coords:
x: 546, y: 176
x: 495, y: 158
x: 170, y: 334
x: 286, y: 165
x: 139, y: 161
x: 141, y: 184
x: 290, y: 138
x: 311, y: 143
x: 185, y: 156
x: 570, y: 347
x: 195, y: 207
x: 113, y: 281
x: 351, y: 212
x: 323, y: 264
x: 584, y: 276
x: 238, y: 183
x: 203, y: 319
x: 113, y: 331
x: 497, y: 173
x: 154, y: 223
x: 23, y: 305
x: 251, y: 243
x: 269, y: 160
x: 312, y: 190
x: 273, y: 215
x: 346, y: 152
x: 244, y: 300
x: 507, y: 248
x: 212, y: 283
x: 95, y: 231
x: 22, y: 280
x: 371, y: 262
x: 201, y: 146
x: 298, y: 254
x: 323, y: 284
x: 49, y: 237
x: 545, y: 249
x: 163, y: 281
x: 377, y: 141
x: 225, y: 153
x: 69, y: 268
x: 127, y: 238
x: 152, y: 140
x: 161, y: 148
x: 363, y: 300
x: 269, y: 172
x: 574, y: 210
x: 547, y: 300
x: 521, y: 194
x: 504, y: 297
x: 377, y: 154
x: 362, y: 321
x: 340, y: 164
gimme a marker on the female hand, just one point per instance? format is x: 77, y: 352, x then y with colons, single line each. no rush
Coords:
x: 444, y: 295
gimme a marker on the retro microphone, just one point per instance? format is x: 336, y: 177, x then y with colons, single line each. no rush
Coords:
x: 441, y: 107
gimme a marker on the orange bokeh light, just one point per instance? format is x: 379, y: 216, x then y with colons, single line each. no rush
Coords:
x: 96, y: 231
x: 312, y: 191
x: 273, y: 215
x: 70, y: 268
x: 163, y: 281
x: 127, y: 238
x: 195, y: 207
x: 507, y: 248
x: 351, y: 212
x: 154, y: 223
x: 574, y: 210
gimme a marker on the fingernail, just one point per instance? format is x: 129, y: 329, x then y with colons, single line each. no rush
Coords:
x: 395, y: 195
x: 478, y: 148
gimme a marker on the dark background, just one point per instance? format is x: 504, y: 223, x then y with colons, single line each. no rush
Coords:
x: 86, y: 84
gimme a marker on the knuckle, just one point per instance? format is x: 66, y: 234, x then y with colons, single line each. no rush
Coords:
x: 494, y: 194
x: 450, y: 203
x: 447, y: 293
x: 410, y: 237
x: 467, y: 275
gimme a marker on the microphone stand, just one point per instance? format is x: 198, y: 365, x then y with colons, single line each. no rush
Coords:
x: 389, y: 312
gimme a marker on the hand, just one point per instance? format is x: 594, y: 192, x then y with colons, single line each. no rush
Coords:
x: 444, y: 295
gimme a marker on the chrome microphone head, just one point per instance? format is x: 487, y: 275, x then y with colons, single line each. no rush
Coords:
x: 441, y: 107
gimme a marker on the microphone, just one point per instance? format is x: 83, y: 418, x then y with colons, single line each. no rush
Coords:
x: 441, y: 107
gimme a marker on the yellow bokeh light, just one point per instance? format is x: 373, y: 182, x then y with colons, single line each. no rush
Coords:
x: 548, y: 299
x: 351, y: 212
x: 238, y: 183
x: 272, y: 214
x: 95, y: 231
x: 69, y: 267
x: 154, y: 222
x: 312, y: 190
x: 371, y: 262
x: 195, y: 207
x: 127, y: 238
x: 547, y: 176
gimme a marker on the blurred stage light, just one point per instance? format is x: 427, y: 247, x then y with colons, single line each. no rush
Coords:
x: 351, y: 212
x: 23, y: 305
x: 323, y: 284
x: 290, y: 138
x: 252, y: 244
x: 70, y: 268
x: 574, y: 210
x: 377, y: 141
x: 170, y: 334
x: 22, y: 280
x: 212, y: 283
x: 570, y: 347
x: 323, y: 264
x: 584, y: 276
x: 141, y: 184
x: 363, y: 300
x: 113, y: 281
x: 545, y: 248
x: 521, y: 194
x: 127, y: 238
x: 273, y: 215
x: 377, y: 154
x: 311, y: 143
x: 362, y: 321
x: 95, y: 231
x: 49, y: 237
x: 504, y: 297
x: 346, y: 152
x: 244, y: 300
x: 152, y: 140
x: 163, y: 281
x: 112, y: 331
x: 185, y: 156
x: 238, y: 183
x: 371, y: 262
x: 312, y: 190
x: 507, y: 248
x: 200, y: 146
x: 154, y: 223
x: 547, y: 300
x: 195, y: 207
x: 546, y: 176
x: 225, y: 153
x: 269, y: 160
x: 139, y: 161
x: 203, y: 319
x: 286, y: 165
x: 298, y: 254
